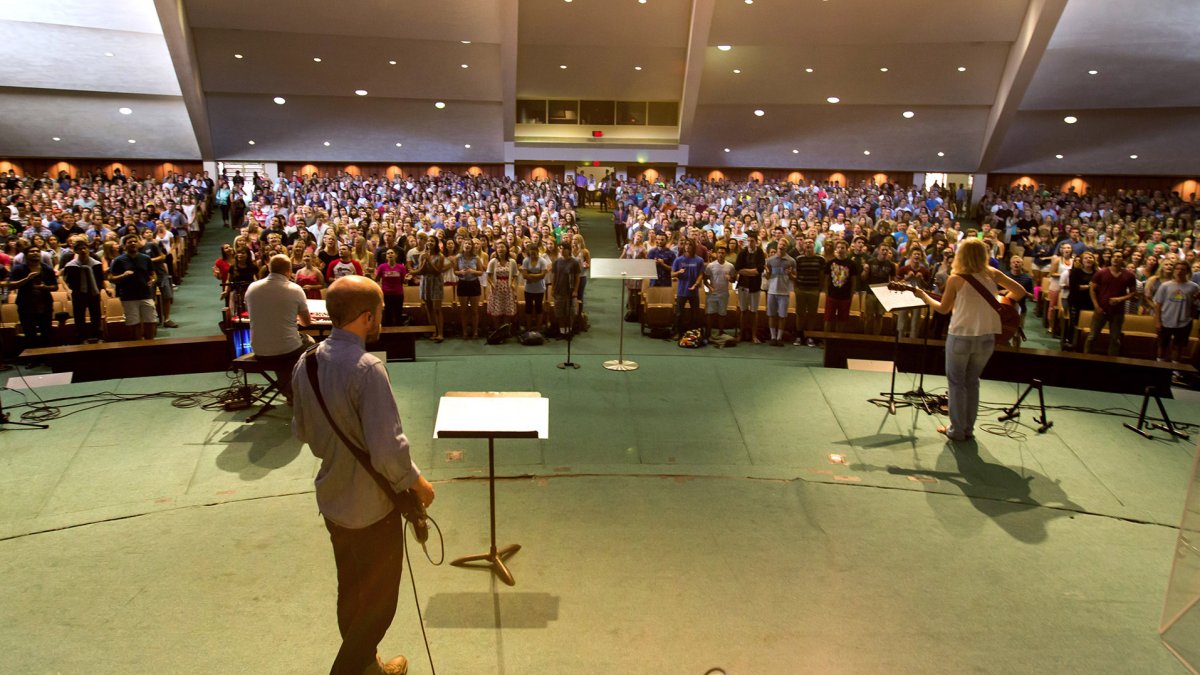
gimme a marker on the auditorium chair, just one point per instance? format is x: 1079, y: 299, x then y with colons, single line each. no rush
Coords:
x: 658, y: 308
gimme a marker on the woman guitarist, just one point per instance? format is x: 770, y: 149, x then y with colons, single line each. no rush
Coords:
x: 974, y: 325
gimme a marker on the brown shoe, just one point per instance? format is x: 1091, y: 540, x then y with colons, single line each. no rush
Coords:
x: 397, y: 666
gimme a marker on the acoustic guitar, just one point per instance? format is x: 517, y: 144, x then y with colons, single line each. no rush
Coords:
x: 1010, y: 318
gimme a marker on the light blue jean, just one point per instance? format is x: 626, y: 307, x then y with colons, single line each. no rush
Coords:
x: 965, y: 358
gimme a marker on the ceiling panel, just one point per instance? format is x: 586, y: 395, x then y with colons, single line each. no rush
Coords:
x: 797, y: 23
x: 539, y: 74
x: 476, y: 20
x: 835, y: 138
x: 614, y: 25
x: 40, y: 55
x: 1164, y: 139
x: 122, y: 15
x: 1145, y: 55
x: 917, y: 74
x: 90, y: 126
x: 282, y: 64
x: 358, y: 129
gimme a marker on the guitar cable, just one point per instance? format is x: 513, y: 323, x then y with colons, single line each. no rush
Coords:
x: 408, y: 524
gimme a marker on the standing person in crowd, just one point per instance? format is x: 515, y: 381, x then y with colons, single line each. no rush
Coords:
x: 1060, y: 275
x: 85, y: 277
x: 502, y: 287
x: 750, y: 263
x: 133, y: 273
x: 809, y: 267
x: 390, y: 276
x: 916, y: 273
x: 309, y: 277
x: 153, y: 248
x: 1079, y: 298
x: 237, y: 208
x: 35, y: 283
x: 688, y: 271
x: 277, y: 309
x: 780, y: 273
x: 365, y: 529
x: 431, y: 266
x: 565, y: 272
x: 840, y: 273
x: 663, y: 258
x: 634, y: 250
x: 344, y: 265
x: 1111, y: 287
x: 1175, y: 305
x: 222, y: 199
x: 879, y: 270
x: 974, y: 324
x: 534, y: 269
x: 584, y: 256
x: 468, y: 268
x: 1016, y: 270
x: 718, y: 276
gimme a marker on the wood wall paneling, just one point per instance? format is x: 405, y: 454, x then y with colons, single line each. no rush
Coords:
x: 76, y: 167
x: 388, y: 169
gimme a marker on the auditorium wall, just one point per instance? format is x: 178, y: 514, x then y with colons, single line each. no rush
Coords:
x: 385, y: 169
x: 76, y: 167
x: 1185, y: 186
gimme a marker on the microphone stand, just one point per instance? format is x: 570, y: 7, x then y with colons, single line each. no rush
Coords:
x: 570, y: 336
x: 926, y: 402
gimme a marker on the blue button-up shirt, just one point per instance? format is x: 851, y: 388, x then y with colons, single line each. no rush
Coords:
x: 359, y: 396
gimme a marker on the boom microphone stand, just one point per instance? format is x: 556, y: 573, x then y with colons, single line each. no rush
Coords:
x: 570, y: 336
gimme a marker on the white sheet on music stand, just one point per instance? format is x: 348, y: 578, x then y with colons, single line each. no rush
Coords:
x: 623, y: 268
x: 35, y: 381
x: 894, y: 300
x: 496, y: 414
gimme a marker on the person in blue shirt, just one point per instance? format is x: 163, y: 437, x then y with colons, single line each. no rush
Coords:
x: 688, y: 271
x: 663, y: 258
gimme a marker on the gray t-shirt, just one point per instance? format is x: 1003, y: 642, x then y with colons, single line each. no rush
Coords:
x: 780, y: 265
x: 718, y: 275
x: 535, y: 264
x: 1178, y: 302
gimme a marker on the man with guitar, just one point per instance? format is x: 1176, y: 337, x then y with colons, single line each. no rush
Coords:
x: 975, y: 323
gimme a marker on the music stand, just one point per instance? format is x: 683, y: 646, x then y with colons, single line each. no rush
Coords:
x: 492, y: 415
x: 892, y: 301
x: 626, y: 270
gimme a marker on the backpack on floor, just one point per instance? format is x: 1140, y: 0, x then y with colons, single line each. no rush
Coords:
x: 500, y: 335
x: 531, y: 338
x: 693, y: 339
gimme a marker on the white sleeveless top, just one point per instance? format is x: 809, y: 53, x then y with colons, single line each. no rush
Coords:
x: 1059, y: 282
x: 973, y: 315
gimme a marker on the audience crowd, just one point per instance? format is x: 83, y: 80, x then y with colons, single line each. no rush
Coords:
x: 508, y: 252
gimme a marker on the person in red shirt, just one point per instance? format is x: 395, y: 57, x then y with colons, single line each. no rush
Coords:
x: 1110, y: 288
x: 342, y: 266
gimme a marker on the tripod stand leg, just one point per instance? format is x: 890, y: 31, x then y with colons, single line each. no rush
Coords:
x: 1043, y: 421
x: 1167, y: 425
x: 1141, y: 421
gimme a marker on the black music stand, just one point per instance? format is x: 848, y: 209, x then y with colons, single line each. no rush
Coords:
x: 891, y: 301
x: 492, y: 415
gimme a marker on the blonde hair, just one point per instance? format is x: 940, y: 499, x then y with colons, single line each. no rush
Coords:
x: 971, y: 257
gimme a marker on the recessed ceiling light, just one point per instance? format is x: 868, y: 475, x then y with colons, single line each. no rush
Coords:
x: 737, y: 71
x: 326, y: 144
x: 135, y: 141
x: 399, y: 145
x: 724, y: 48
x: 466, y: 65
x: 56, y: 138
x: 866, y: 152
x: 360, y: 92
x: 467, y: 146
x: 563, y: 66
x: 567, y: 1
x: 1058, y: 157
x: 637, y: 67
x: 108, y: 54
x: 795, y: 152
x: 834, y: 99
x: 317, y: 59
x: 1133, y: 157
x: 280, y: 100
x: 726, y: 149
x: 962, y: 69
x: 883, y: 70
x: 760, y: 112
x: 237, y: 56
x: 125, y: 111
x: 465, y: 42
x: 1070, y: 119
x: 391, y: 63
x: 808, y: 70
x: 941, y: 154
x: 1093, y: 72
x: 250, y: 142
x: 641, y: 2
x: 749, y: 2
x: 908, y: 114
x: 439, y: 105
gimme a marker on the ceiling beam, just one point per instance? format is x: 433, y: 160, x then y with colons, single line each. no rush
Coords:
x: 508, y: 66
x: 182, y: 47
x: 1041, y: 18
x: 693, y: 73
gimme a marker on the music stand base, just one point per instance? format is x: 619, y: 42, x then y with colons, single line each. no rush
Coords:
x: 495, y: 561
x: 621, y: 365
x: 890, y: 402
x: 568, y: 364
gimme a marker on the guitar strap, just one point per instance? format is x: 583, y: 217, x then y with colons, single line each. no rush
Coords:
x: 978, y: 286
x: 310, y: 364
